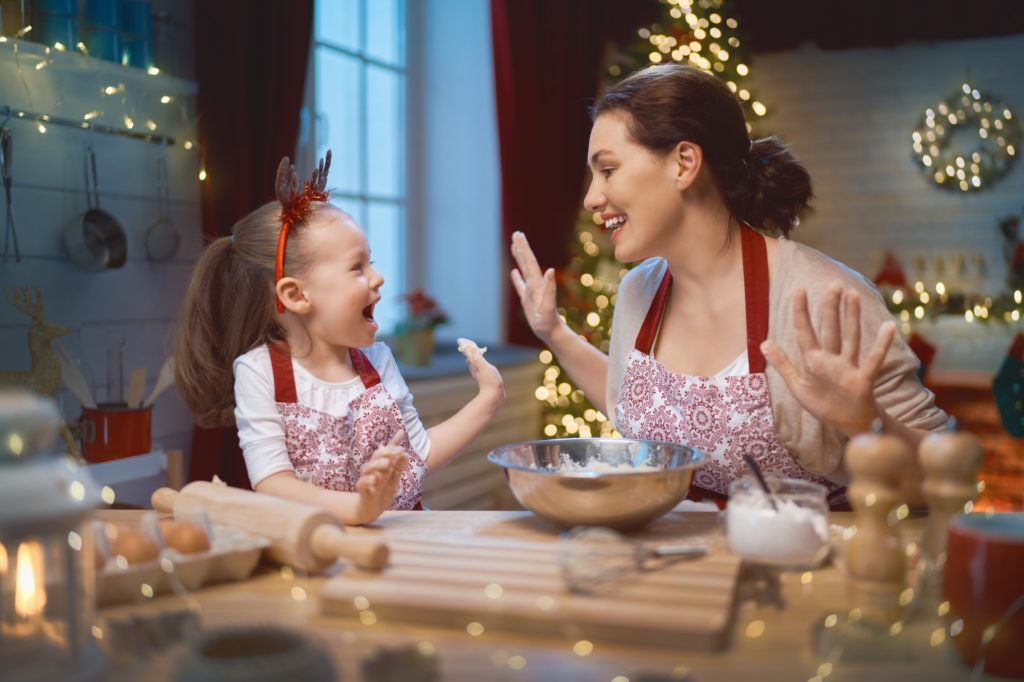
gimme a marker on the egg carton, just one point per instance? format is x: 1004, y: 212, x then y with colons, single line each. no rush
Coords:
x: 232, y: 556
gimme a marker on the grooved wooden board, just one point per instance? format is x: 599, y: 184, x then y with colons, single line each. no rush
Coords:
x: 444, y: 568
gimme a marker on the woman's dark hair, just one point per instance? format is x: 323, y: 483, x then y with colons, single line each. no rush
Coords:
x: 761, y: 182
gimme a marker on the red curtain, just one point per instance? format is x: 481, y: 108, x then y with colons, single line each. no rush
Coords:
x: 251, y: 60
x: 547, y: 55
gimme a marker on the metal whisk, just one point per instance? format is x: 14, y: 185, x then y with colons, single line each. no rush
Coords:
x: 592, y: 558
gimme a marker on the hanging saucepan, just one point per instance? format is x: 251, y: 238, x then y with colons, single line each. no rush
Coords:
x: 98, y: 242
x: 162, y: 238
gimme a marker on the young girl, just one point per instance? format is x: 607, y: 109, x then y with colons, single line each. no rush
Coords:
x: 277, y: 337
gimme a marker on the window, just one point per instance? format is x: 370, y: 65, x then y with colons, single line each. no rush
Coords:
x: 359, y: 95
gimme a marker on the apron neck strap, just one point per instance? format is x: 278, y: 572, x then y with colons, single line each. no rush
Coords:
x: 367, y: 372
x: 755, y: 294
x: 284, y: 375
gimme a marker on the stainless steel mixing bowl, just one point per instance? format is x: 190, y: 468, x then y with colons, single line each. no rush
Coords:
x: 623, y: 499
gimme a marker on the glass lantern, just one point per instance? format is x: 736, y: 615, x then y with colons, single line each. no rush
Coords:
x: 47, y: 556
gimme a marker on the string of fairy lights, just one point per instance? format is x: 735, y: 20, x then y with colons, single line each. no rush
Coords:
x: 918, y: 303
x: 31, y: 58
x: 998, y: 138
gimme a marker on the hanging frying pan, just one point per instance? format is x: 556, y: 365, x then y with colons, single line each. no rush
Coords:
x: 98, y: 242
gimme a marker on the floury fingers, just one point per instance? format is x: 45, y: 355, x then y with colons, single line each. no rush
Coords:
x: 466, y: 346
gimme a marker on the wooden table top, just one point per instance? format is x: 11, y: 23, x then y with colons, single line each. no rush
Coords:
x: 777, y: 629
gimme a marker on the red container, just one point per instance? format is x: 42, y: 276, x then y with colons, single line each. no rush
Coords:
x: 984, y: 583
x: 115, y: 431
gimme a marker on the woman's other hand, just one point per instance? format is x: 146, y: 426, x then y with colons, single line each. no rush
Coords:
x: 832, y: 381
x: 536, y: 289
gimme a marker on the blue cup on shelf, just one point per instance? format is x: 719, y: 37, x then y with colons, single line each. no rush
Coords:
x: 137, y: 36
x: 103, y: 29
x: 103, y: 14
x: 137, y: 52
x: 56, y: 21
x: 103, y: 43
x: 137, y: 18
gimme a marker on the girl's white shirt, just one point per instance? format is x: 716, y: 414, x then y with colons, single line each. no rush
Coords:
x: 261, y: 428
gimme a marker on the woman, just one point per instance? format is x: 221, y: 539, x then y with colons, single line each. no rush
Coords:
x: 712, y: 341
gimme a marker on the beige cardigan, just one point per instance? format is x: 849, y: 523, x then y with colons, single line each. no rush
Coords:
x: 816, y: 446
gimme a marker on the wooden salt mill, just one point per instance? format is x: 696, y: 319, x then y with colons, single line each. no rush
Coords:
x: 875, y: 560
x: 951, y: 461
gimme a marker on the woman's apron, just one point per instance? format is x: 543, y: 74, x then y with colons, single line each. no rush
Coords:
x: 725, y: 417
x: 330, y: 451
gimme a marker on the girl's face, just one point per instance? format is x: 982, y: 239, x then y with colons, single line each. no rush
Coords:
x: 635, y: 191
x: 341, y: 284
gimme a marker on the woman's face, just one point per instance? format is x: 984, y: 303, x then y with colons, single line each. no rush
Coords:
x: 635, y: 191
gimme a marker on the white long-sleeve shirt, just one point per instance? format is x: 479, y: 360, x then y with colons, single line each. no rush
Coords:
x: 261, y: 428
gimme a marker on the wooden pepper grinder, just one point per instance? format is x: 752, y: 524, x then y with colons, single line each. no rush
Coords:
x: 951, y: 461
x: 875, y: 559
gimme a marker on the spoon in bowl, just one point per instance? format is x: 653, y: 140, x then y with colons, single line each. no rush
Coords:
x: 756, y: 470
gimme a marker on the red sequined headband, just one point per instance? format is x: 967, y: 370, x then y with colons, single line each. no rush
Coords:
x: 295, y: 205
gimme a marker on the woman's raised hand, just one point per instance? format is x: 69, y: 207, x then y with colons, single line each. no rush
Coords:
x: 832, y: 382
x: 536, y: 289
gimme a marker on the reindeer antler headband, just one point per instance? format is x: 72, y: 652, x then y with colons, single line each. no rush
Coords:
x: 295, y: 204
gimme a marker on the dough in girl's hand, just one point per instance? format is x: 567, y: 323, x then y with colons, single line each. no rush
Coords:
x: 466, y: 345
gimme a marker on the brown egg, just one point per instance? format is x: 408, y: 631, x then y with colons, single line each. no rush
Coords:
x: 133, y: 545
x: 166, y: 524
x: 187, y: 538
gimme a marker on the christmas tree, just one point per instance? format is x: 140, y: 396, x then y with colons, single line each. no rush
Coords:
x: 702, y: 34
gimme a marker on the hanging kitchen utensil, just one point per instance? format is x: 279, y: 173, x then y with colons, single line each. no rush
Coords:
x: 98, y: 242
x: 162, y: 238
x: 136, y: 387
x: 163, y: 381
x: 72, y: 376
x: 7, y: 163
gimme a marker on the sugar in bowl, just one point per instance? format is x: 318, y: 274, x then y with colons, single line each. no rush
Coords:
x: 791, y: 533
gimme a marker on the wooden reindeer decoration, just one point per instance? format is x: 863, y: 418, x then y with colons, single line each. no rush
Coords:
x: 44, y: 377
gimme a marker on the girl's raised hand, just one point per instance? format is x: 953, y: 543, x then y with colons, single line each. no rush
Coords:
x: 833, y: 382
x: 486, y: 375
x: 379, y: 479
x: 536, y: 289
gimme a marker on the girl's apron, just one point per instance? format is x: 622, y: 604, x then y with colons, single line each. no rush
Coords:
x: 329, y: 451
x: 725, y: 417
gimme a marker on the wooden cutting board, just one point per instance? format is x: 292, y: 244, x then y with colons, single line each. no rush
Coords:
x: 445, y: 565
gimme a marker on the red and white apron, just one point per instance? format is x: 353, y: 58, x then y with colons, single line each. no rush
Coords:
x: 724, y: 417
x: 330, y: 451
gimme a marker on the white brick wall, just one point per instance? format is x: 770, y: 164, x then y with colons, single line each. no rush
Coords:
x: 848, y: 116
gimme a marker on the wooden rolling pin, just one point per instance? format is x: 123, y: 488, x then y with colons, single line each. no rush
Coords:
x: 300, y: 535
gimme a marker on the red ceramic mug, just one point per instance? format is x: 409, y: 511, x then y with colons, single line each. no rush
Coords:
x: 984, y: 584
x: 115, y: 431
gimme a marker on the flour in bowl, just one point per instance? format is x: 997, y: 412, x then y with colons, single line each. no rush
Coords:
x: 566, y: 464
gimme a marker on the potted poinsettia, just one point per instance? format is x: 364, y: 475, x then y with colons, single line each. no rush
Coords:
x: 415, y: 333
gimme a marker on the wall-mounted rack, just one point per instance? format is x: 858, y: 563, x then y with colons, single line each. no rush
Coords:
x: 8, y: 113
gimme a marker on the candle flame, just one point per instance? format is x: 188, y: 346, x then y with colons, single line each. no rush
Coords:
x: 29, y: 591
